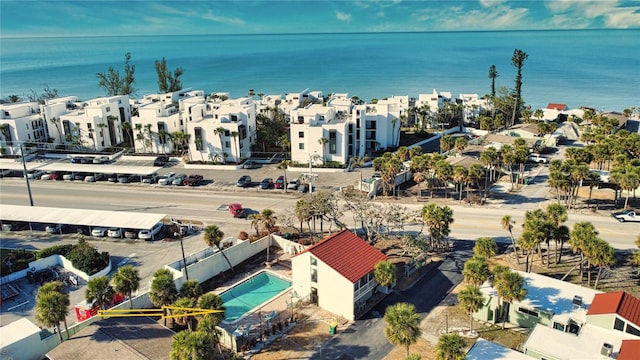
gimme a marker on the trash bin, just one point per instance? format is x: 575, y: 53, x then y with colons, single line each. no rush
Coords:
x: 332, y: 329
x: 526, y: 181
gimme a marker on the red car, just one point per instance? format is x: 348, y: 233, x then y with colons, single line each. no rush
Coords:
x: 192, y: 180
x: 280, y: 182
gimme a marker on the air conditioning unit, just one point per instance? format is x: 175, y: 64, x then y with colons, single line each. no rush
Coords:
x: 577, y: 301
x: 607, y: 350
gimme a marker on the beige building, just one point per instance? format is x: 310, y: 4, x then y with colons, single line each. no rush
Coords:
x: 337, y: 273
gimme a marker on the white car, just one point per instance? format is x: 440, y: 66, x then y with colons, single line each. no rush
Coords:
x: 151, y: 233
x: 69, y: 177
x: 54, y: 228
x: 166, y: 179
x: 114, y: 233
x: 34, y: 174
x: 538, y: 158
x: 627, y: 216
x: 98, y: 232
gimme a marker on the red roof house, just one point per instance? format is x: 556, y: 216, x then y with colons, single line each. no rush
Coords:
x: 616, y: 303
x: 558, y: 107
x: 337, y: 273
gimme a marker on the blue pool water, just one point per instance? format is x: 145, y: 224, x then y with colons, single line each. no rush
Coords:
x: 251, y: 293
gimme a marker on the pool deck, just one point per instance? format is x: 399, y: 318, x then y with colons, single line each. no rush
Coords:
x: 257, y: 319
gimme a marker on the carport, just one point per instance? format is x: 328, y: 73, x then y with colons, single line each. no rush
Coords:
x: 101, y: 169
x: 83, y: 217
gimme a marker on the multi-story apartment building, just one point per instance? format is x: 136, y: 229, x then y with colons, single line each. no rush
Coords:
x: 161, y: 115
x: 472, y: 105
x: 338, y: 131
x: 427, y: 106
x: 220, y: 129
x: 21, y: 123
x: 95, y: 124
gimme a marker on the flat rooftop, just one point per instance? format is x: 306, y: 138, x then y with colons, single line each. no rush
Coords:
x: 488, y: 350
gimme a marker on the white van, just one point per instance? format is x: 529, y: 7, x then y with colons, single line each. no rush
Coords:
x: 151, y: 233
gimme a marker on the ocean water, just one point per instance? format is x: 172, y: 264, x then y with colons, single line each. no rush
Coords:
x: 598, y: 68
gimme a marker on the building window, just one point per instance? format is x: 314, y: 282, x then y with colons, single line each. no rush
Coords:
x: 528, y: 312
x: 227, y: 144
x: 108, y: 109
x: 314, y: 261
x: 632, y: 330
x: 618, y: 324
x: 198, y: 138
x: 300, y: 146
x: 234, y: 118
x: 162, y: 133
x: 300, y: 134
x: 227, y: 133
x: 333, y: 148
x: 314, y: 275
x: 558, y: 326
x: 89, y: 126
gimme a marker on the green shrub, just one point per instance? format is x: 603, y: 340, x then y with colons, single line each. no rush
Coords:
x: 20, y: 264
x: 54, y: 250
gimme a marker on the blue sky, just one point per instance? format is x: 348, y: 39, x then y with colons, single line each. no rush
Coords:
x: 140, y: 17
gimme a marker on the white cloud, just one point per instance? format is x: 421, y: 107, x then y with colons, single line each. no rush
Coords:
x: 623, y: 18
x: 490, y: 18
x: 343, y: 16
x: 611, y: 13
x: 491, y: 3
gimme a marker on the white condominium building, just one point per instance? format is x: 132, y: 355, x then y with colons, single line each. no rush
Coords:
x: 21, y: 123
x: 220, y: 129
x: 338, y: 130
x: 94, y: 124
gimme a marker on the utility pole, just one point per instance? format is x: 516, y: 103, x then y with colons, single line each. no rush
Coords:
x: 26, y: 177
x: 184, y: 261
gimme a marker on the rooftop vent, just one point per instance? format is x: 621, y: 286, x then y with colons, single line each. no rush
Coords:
x: 577, y: 301
x: 607, y: 350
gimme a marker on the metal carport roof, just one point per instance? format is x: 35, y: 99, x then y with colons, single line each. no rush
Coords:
x: 101, y: 168
x: 101, y: 218
x: 15, y: 165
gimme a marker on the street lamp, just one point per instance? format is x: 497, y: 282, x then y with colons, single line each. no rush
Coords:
x: 184, y: 261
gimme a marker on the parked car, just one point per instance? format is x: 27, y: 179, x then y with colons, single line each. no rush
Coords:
x: 69, y: 176
x: 161, y: 160
x: 114, y: 232
x: 250, y: 164
x: 192, y: 180
x: 34, y: 174
x: 94, y: 178
x: 131, y: 234
x: 627, y: 215
x: 179, y: 179
x: 237, y: 211
x: 99, y: 232
x: 112, y: 178
x: 293, y: 184
x: 166, y: 179
x: 244, y: 181
x: 280, y: 182
x: 149, y: 179
x: 51, y: 175
x: 80, y: 176
x: 266, y: 183
x: 76, y: 160
x: 125, y: 178
x: 152, y: 233
x: 87, y: 160
x: 54, y: 228
x: 101, y: 160
x: 538, y: 158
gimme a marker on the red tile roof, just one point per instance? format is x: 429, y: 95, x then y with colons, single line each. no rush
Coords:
x: 629, y: 350
x: 618, y: 302
x: 557, y: 106
x: 347, y: 254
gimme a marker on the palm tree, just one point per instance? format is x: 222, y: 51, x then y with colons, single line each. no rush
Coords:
x: 510, y: 287
x: 323, y: 142
x: 450, y: 347
x: 52, y: 306
x: 100, y: 291
x: 139, y: 135
x: 212, y: 301
x: 581, y: 236
x: 126, y: 129
x: 190, y: 345
x: 403, y: 325
x: 460, y: 178
x: 213, y: 236
x: 493, y: 74
x: 220, y: 132
x: 485, y: 247
x: 268, y: 219
x: 438, y: 220
x: 126, y: 281
x: 602, y: 254
x: 163, y: 289
x: 471, y: 300
x: 385, y: 273
x: 507, y: 223
x: 234, y: 135
x: 518, y: 60
x: 191, y: 289
x: 182, y: 317
x: 476, y: 270
x: 56, y: 122
x: 358, y: 162
x: 284, y: 164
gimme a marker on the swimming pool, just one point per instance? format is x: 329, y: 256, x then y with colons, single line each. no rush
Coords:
x: 249, y: 294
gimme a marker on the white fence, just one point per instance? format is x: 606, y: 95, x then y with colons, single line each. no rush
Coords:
x: 52, y: 261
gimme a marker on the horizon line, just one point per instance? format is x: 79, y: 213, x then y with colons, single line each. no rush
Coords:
x: 314, y: 33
